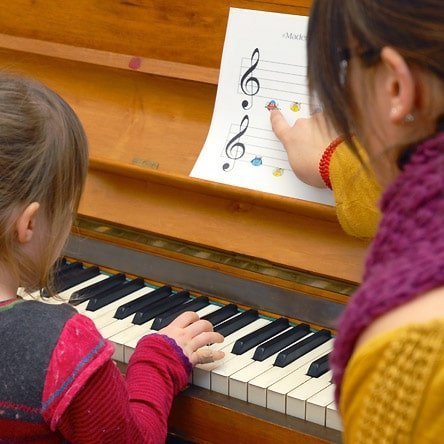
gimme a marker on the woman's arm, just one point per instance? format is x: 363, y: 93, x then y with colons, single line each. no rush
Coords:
x: 305, y: 143
x: 354, y: 185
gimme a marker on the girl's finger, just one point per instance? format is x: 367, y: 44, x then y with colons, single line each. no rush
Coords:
x: 185, y: 319
x: 205, y: 338
x: 206, y: 355
x: 198, y: 327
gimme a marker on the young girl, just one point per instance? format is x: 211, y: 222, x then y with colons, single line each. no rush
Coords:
x: 58, y: 383
x: 377, y: 67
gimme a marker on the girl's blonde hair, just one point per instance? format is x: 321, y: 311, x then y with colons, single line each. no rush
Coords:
x: 43, y: 158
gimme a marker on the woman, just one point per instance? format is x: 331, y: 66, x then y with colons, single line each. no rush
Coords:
x: 377, y: 68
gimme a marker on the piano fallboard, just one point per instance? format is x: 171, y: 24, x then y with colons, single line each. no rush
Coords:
x: 294, y: 294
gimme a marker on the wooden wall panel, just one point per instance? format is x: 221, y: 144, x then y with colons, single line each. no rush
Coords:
x: 189, y: 31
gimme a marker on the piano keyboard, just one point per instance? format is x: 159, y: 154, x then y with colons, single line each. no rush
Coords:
x: 270, y: 363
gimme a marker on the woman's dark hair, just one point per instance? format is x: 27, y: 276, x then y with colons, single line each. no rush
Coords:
x: 415, y: 28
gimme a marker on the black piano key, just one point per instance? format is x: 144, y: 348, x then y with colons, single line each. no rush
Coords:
x: 221, y: 315
x: 67, y: 268
x: 319, y: 367
x: 301, y: 348
x: 131, y: 307
x: 236, y: 323
x: 165, y: 319
x: 65, y: 271
x: 278, y: 343
x: 88, y: 292
x: 61, y: 263
x: 73, y: 279
x: 108, y: 296
x: 151, y: 312
x: 153, y: 298
x: 253, y: 339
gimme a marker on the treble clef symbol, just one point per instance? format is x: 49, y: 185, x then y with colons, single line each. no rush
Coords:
x: 249, y: 84
x: 235, y: 149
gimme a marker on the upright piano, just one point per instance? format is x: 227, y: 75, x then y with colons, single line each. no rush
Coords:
x: 142, y: 75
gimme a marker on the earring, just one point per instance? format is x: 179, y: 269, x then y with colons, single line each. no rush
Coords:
x: 395, y: 111
x: 409, y: 118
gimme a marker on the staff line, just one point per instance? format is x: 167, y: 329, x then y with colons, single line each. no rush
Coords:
x: 275, y: 63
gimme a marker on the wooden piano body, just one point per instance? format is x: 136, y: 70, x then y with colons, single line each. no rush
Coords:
x: 142, y: 75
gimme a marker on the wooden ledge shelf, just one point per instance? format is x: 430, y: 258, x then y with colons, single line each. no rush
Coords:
x: 241, y: 195
x: 109, y: 59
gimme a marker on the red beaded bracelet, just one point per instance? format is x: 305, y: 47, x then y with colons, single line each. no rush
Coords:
x: 324, y: 163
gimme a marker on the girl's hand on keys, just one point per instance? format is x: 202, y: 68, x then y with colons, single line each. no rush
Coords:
x: 192, y: 334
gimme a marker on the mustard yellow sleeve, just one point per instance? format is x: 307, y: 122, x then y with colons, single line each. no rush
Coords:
x: 356, y: 192
x: 393, y: 388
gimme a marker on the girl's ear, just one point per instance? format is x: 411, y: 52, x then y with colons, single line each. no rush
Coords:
x: 399, y: 86
x: 26, y: 223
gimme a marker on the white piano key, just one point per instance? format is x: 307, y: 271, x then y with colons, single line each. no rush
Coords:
x: 119, y: 349
x: 257, y: 387
x: 35, y: 296
x: 238, y: 386
x: 316, y: 409
x: 202, y: 372
x: 277, y: 393
x: 116, y: 327
x: 229, y: 357
x: 128, y: 349
x: 21, y: 292
x: 221, y: 377
x: 296, y: 400
x: 128, y: 339
x: 333, y: 419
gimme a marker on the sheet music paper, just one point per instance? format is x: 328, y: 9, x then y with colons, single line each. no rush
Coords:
x: 263, y: 65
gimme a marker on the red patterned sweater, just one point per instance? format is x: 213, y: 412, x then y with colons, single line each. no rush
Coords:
x: 58, y: 383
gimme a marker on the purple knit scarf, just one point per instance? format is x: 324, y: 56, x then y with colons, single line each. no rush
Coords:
x: 407, y: 255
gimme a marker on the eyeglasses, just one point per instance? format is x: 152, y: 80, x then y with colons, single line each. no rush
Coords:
x: 369, y: 57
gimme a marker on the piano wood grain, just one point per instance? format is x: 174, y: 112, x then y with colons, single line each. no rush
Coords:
x: 239, y: 422
x: 189, y: 32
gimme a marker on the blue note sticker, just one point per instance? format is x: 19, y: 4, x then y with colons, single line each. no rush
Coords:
x: 257, y: 161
